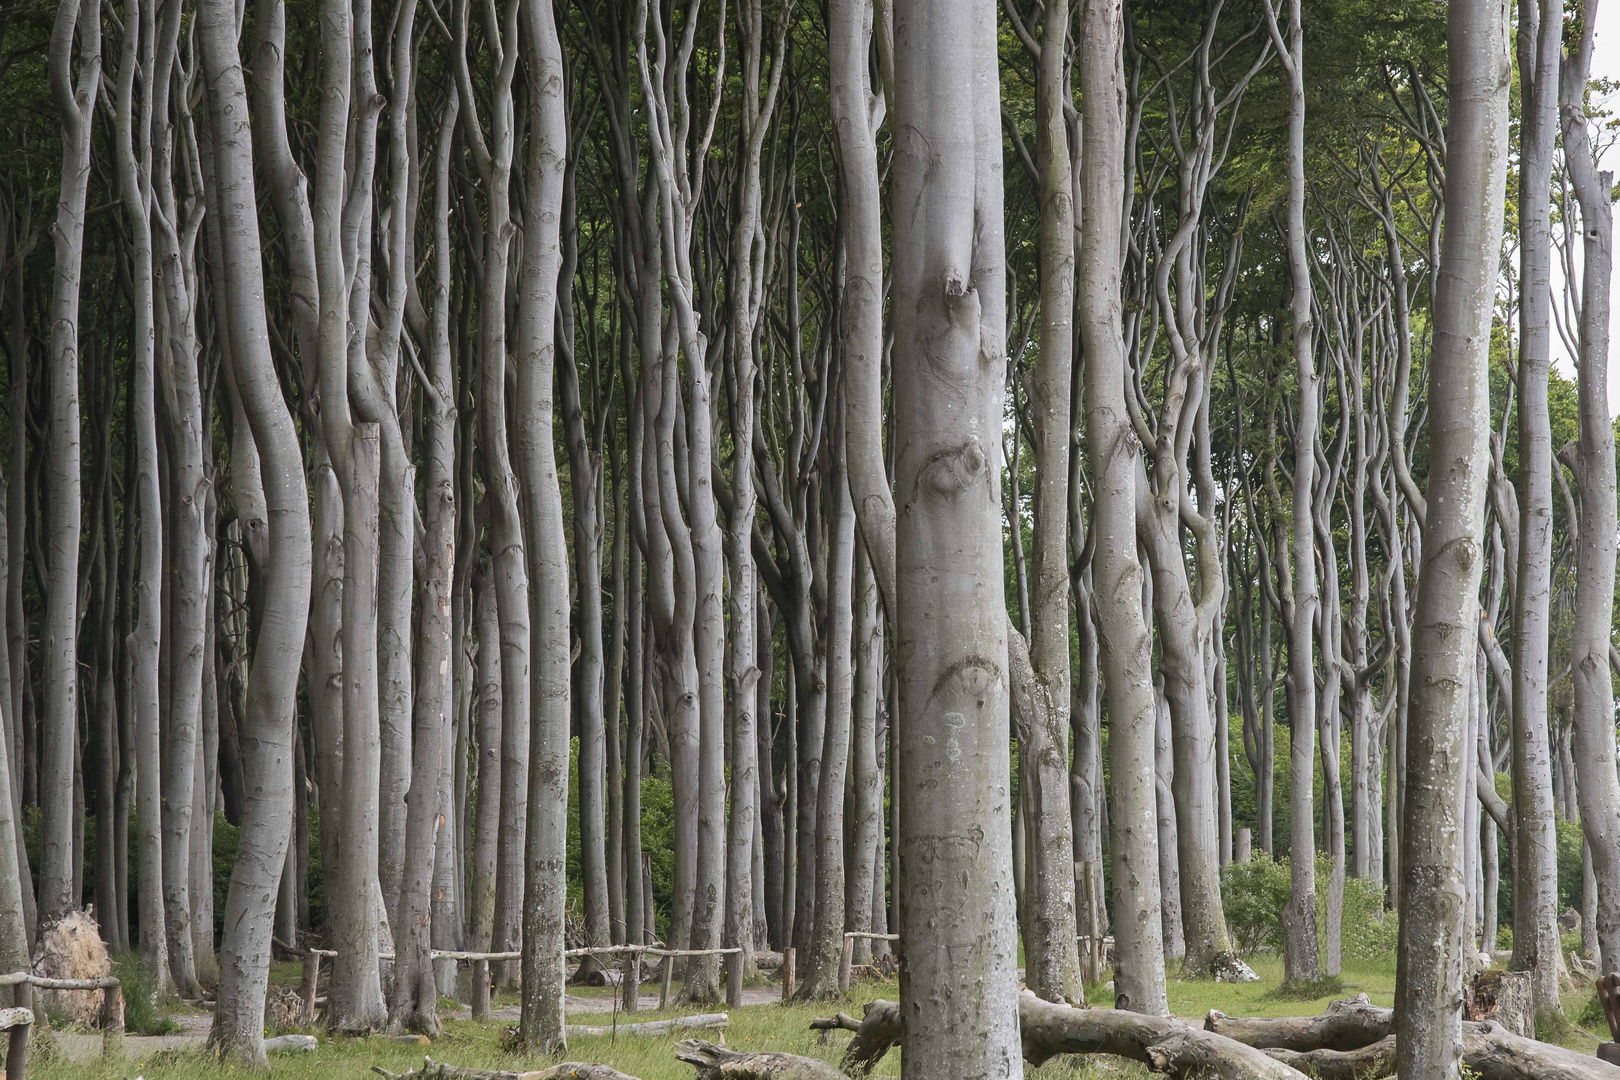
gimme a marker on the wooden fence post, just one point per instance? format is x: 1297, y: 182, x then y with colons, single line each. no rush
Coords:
x: 787, y: 974
x: 112, y: 1021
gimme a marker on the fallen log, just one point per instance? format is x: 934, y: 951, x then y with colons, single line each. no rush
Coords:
x: 568, y: 1070
x: 1165, y: 1044
x: 1346, y: 1025
x: 700, y: 1022
x: 290, y: 1044
x: 1490, y: 1051
x: 1365, y: 1063
x: 716, y: 1063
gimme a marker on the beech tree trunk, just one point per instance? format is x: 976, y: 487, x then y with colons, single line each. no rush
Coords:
x: 1598, y: 790
x: 414, y: 1003
x: 545, y: 854
x: 238, y: 1030
x: 1535, y: 928
x: 951, y: 624
x: 1113, y: 452
x: 1431, y: 963
x: 75, y: 99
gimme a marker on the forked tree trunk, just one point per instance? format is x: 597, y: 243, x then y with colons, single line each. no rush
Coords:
x: 1430, y: 967
x: 951, y: 620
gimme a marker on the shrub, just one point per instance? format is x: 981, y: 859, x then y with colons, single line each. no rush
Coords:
x: 1255, y: 893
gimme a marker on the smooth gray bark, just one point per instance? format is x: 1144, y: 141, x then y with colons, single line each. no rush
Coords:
x: 57, y: 719
x: 545, y: 854
x: 414, y: 1003
x: 951, y: 642
x: 238, y: 1029
x: 1598, y: 790
x: 1299, y: 917
x: 1430, y: 966
x: 1113, y: 452
x: 1535, y: 928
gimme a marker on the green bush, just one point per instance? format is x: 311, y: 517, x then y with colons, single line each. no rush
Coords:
x: 1255, y: 893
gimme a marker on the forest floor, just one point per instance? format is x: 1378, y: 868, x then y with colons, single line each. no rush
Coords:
x: 762, y: 1023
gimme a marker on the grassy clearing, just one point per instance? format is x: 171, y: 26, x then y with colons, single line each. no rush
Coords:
x: 767, y: 1027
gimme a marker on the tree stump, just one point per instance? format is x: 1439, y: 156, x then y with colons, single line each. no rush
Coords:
x: 1503, y: 997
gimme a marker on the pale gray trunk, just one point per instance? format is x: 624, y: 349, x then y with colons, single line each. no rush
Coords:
x: 818, y: 969
x: 429, y: 831
x: 356, y: 1001
x: 1050, y: 928
x: 1535, y: 927
x: 508, y: 577
x: 1430, y: 966
x: 1113, y: 451
x: 1299, y: 917
x: 486, y: 831
x: 186, y: 766
x: 57, y: 721
x: 866, y: 832
x: 238, y: 1029
x: 858, y: 106
x: 1595, y: 479
x: 950, y: 616
x: 545, y: 854
x: 745, y: 840
x: 1175, y: 942
x: 133, y: 162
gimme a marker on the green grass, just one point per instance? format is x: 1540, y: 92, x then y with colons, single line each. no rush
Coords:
x: 765, y: 1027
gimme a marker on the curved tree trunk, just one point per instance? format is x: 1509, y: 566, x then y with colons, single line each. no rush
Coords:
x: 238, y: 1030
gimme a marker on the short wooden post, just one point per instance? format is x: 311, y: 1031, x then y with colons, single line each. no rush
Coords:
x: 664, y: 987
x: 309, y: 987
x: 1242, y: 846
x: 480, y: 990
x: 787, y: 974
x: 846, y: 964
x: 112, y: 1021
x: 17, y: 1043
x: 630, y: 981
